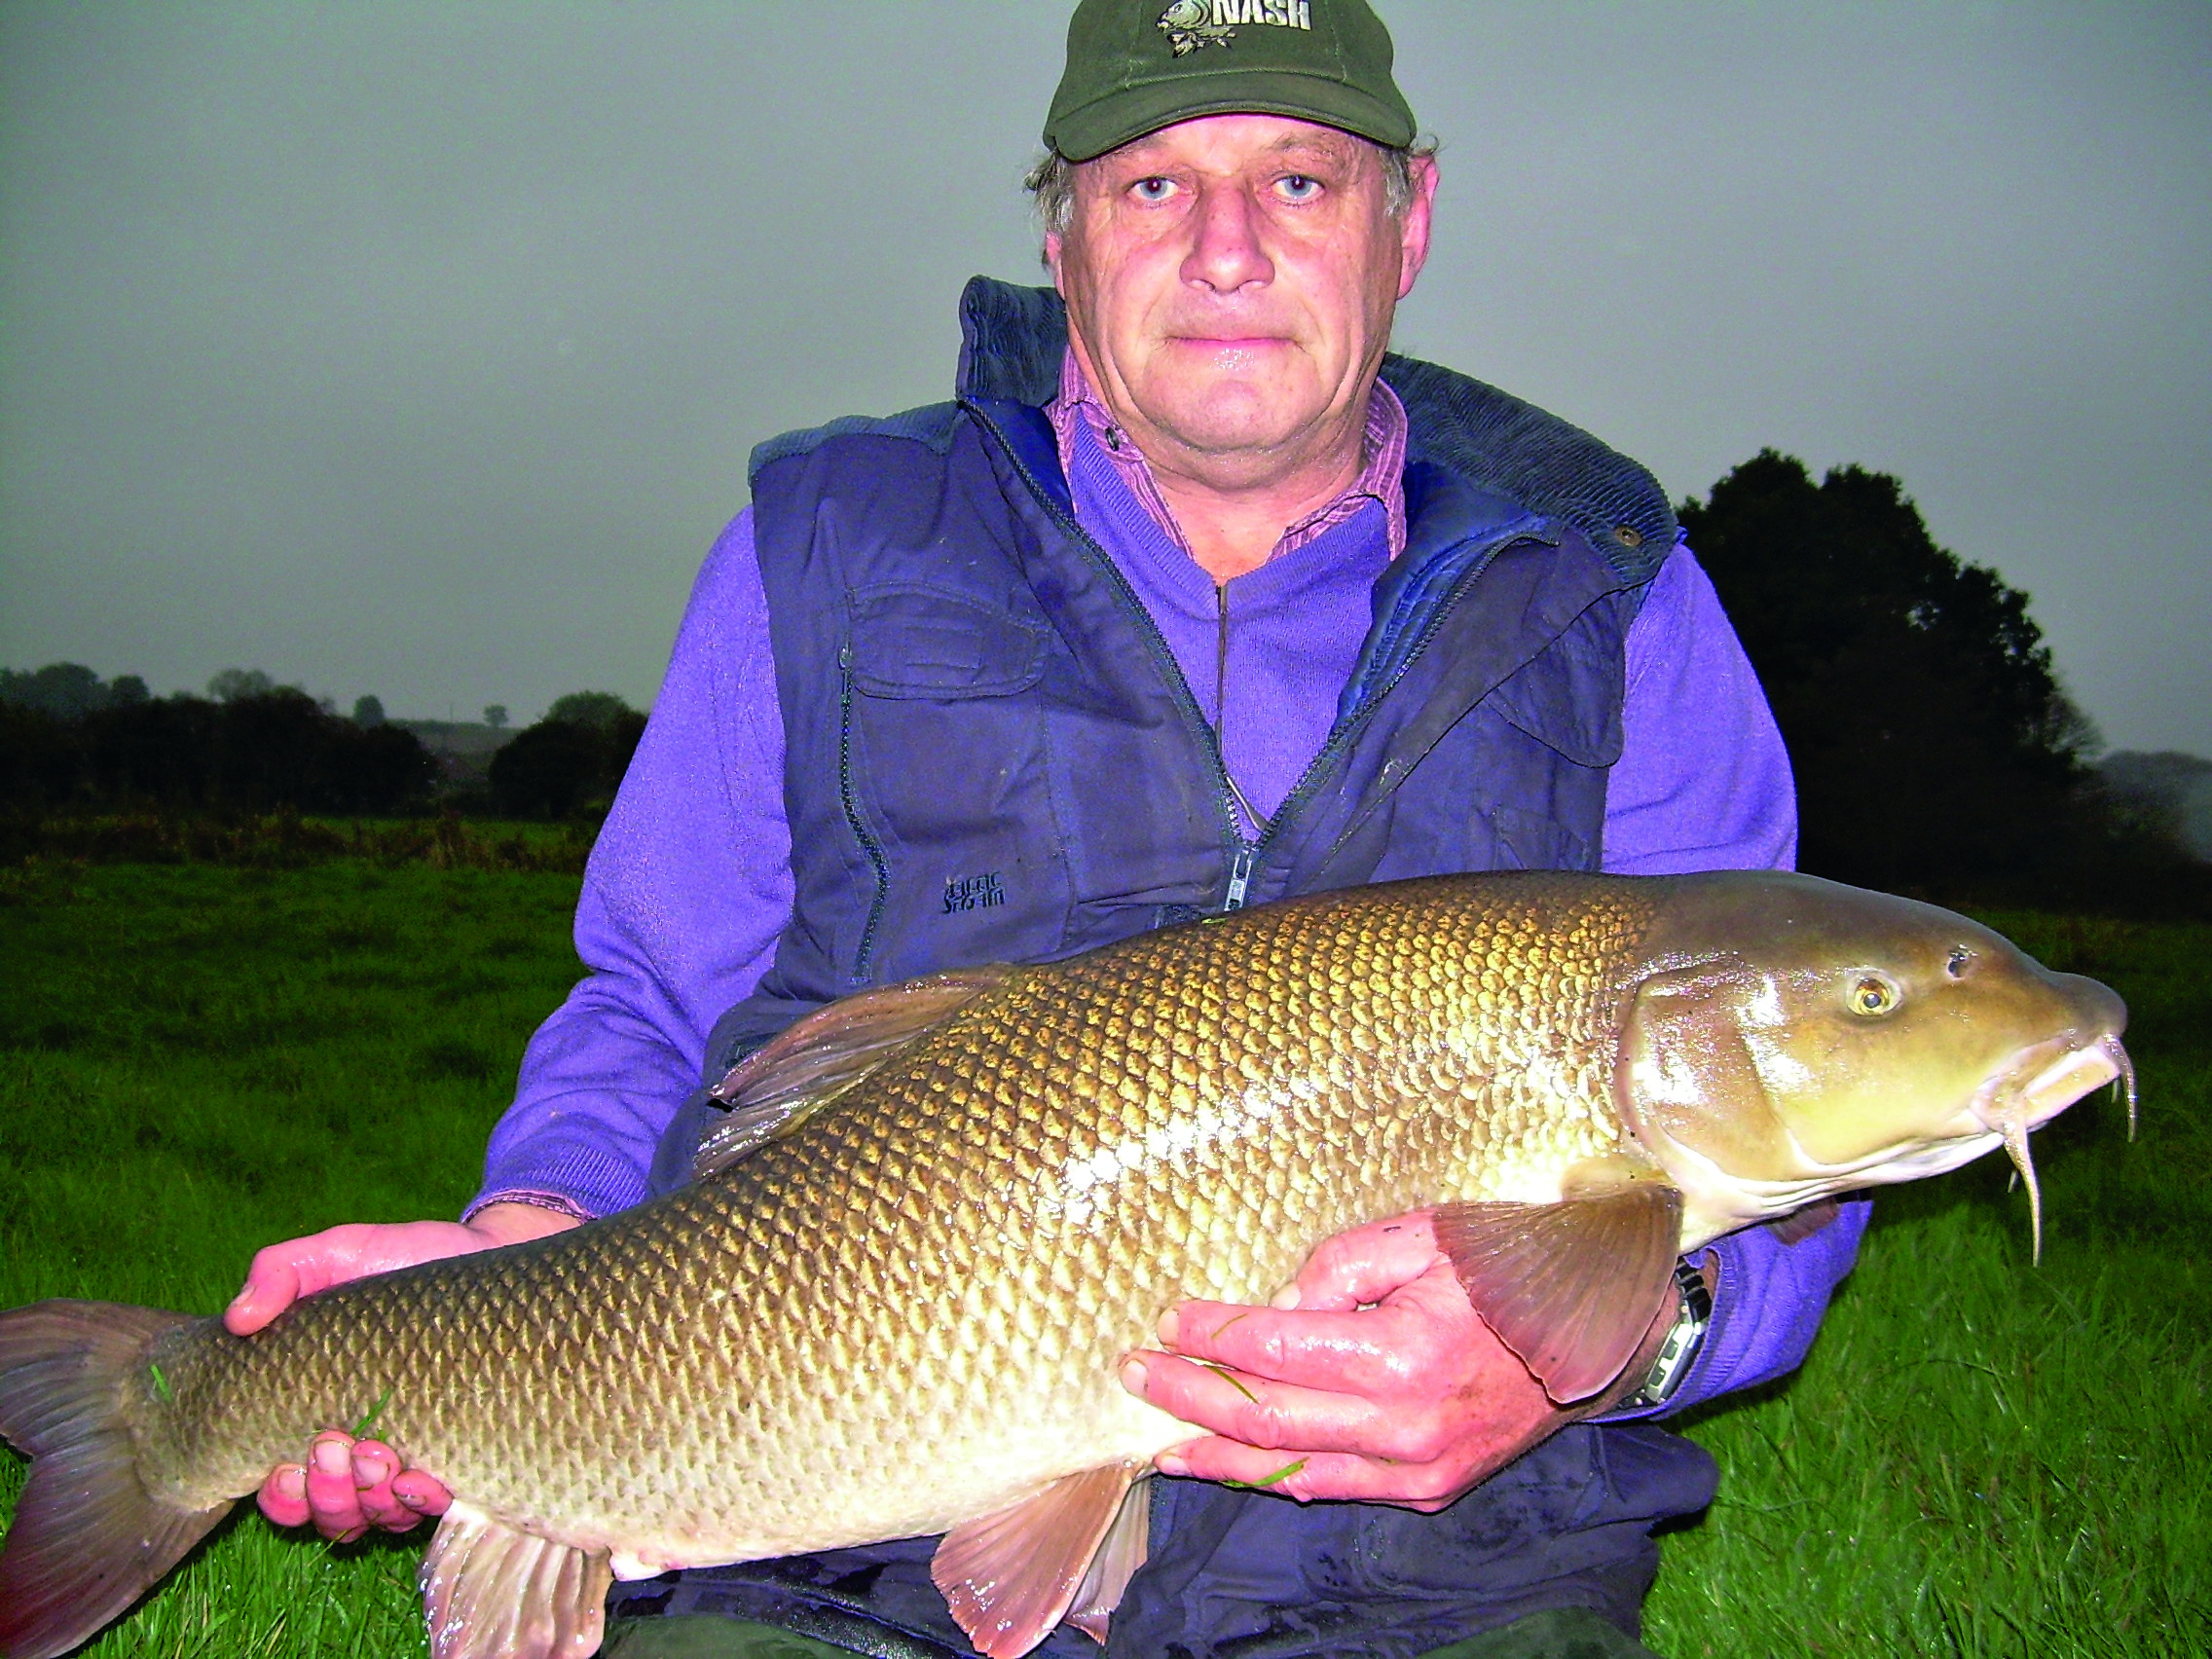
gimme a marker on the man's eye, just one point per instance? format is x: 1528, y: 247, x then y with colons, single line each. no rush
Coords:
x: 1299, y: 188
x: 1153, y: 189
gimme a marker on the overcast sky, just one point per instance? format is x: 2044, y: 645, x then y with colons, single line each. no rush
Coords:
x: 415, y: 347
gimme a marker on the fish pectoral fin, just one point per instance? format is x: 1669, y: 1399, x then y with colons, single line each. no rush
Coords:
x: 1801, y: 1224
x: 794, y: 1075
x: 1010, y: 1577
x: 1572, y: 1287
x: 491, y: 1591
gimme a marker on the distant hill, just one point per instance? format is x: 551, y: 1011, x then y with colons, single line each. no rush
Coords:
x: 2177, y: 786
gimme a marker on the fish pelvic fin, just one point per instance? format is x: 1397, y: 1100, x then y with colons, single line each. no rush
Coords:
x: 1067, y: 1553
x: 87, y: 1539
x: 794, y: 1076
x: 1573, y: 1287
x: 491, y: 1591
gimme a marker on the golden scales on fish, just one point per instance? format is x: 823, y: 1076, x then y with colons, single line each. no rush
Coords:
x: 894, y: 1300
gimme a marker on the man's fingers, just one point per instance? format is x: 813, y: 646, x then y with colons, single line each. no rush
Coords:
x: 1311, y: 1475
x: 423, y: 1493
x: 1341, y: 1352
x: 1360, y: 1268
x: 1275, y: 1415
x: 1422, y: 1340
x: 283, y: 1496
x: 282, y: 1273
x: 334, y: 1501
x: 271, y: 1285
x: 376, y: 1465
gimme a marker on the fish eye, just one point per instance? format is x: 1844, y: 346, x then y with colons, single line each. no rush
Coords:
x: 1873, y: 995
x: 1956, y: 967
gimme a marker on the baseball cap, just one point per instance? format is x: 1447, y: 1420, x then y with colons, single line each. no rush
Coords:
x: 1137, y: 65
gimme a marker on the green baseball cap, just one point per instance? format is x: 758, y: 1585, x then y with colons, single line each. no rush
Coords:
x: 1137, y: 65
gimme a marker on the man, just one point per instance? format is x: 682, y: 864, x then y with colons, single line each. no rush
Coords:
x: 1192, y: 599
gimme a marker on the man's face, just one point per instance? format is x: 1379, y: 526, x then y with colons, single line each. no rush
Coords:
x: 1229, y: 284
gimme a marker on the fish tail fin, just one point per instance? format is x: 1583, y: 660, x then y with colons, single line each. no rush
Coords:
x: 87, y: 1539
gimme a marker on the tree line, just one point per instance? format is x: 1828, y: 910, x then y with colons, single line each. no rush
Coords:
x: 73, y: 744
x: 1933, y: 747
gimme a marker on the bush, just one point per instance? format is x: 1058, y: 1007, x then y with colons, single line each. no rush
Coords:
x: 568, y: 764
x: 273, y: 751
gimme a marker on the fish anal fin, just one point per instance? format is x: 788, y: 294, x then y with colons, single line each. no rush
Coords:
x: 793, y: 1076
x: 1572, y: 1287
x: 491, y: 1591
x: 1127, y: 1542
x: 87, y: 1539
x: 1010, y: 1577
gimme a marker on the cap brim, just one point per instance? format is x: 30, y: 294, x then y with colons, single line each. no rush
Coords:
x: 1130, y: 113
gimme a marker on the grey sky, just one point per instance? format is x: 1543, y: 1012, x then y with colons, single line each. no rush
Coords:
x: 416, y: 348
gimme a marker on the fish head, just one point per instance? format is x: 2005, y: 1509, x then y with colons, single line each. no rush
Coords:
x: 1786, y: 1038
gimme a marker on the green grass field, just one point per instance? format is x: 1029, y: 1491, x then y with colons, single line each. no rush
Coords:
x: 1981, y: 1457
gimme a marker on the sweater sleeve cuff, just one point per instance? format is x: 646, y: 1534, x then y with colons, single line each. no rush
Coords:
x: 1768, y: 1298
x: 568, y: 1174
x: 555, y: 1201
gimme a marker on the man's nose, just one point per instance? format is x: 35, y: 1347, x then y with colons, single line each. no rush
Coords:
x: 1228, y: 251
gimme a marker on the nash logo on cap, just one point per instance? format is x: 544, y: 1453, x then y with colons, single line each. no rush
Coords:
x: 1190, y: 24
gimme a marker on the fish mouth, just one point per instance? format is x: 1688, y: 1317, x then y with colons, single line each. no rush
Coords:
x: 2042, y: 1081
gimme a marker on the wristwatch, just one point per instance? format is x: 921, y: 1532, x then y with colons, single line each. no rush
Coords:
x: 1682, y: 1345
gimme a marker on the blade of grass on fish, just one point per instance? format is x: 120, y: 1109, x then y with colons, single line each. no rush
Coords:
x: 161, y: 1386
x: 376, y: 1411
x: 1282, y: 1474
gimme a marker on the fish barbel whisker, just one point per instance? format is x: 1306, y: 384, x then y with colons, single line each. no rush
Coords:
x: 2015, y: 1134
x: 2125, y: 1083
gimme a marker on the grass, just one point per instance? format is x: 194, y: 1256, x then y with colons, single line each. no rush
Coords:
x: 1981, y: 1458
x: 198, y: 1061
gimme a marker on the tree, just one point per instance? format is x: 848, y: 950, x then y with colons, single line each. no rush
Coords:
x: 231, y: 684
x: 570, y: 764
x: 599, y: 710
x: 279, y: 751
x: 368, y: 712
x: 496, y: 715
x: 65, y: 690
x: 1932, y: 745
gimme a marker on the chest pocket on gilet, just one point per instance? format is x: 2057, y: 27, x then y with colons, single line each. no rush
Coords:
x: 942, y: 767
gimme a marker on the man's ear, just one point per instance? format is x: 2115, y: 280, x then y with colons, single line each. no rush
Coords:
x: 1414, y: 227
x: 1054, y: 243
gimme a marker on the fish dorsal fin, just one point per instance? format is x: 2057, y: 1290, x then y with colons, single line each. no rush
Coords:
x: 1572, y: 1287
x: 802, y: 1070
x: 1010, y: 1577
x: 492, y: 1592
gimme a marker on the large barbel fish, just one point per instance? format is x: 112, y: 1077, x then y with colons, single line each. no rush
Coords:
x: 940, y: 1214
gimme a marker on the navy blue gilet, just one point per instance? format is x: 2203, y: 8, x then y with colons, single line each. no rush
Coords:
x: 990, y: 756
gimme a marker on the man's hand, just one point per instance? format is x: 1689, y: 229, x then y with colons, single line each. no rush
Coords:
x: 348, y: 1486
x: 1371, y: 1378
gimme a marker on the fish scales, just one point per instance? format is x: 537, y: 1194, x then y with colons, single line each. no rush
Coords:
x: 911, y: 1311
x: 940, y: 1214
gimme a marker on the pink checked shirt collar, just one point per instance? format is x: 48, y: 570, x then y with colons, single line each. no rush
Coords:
x: 1380, y: 479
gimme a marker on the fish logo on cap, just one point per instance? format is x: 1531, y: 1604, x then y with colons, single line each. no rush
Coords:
x: 1192, y: 25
